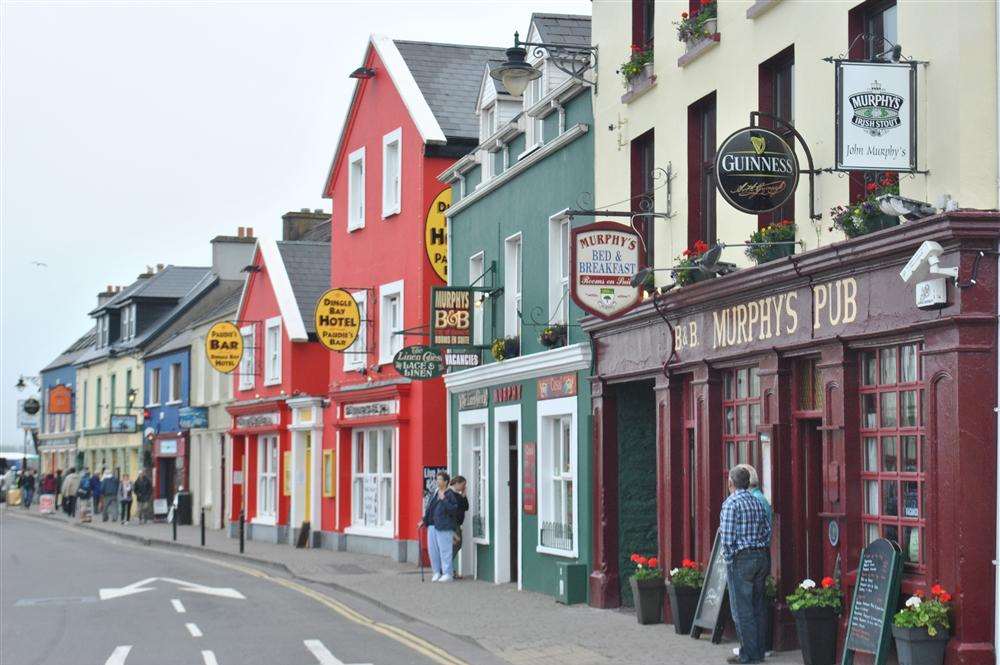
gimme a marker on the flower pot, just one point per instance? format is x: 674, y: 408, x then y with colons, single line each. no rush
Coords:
x: 765, y: 254
x: 648, y: 597
x: 880, y: 222
x: 683, y: 604
x: 816, y: 628
x: 709, y: 27
x: 915, y: 647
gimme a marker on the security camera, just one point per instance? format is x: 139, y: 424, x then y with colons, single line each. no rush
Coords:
x: 900, y: 206
x: 928, y: 253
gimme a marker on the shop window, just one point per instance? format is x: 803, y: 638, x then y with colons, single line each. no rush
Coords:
x: 512, y: 286
x: 272, y: 351
x: 892, y: 437
x: 642, y: 164
x: 477, y: 268
x: 642, y: 23
x: 356, y: 355
x: 390, y: 321
x: 480, y: 484
x: 809, y: 395
x: 559, y: 270
x: 356, y: 190
x: 557, y: 476
x: 372, y: 483
x: 175, y: 382
x: 247, y: 361
x: 741, y: 409
x: 776, y: 96
x: 267, y: 477
x: 392, y: 168
x: 701, y: 171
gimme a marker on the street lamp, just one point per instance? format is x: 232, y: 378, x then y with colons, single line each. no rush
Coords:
x: 516, y: 73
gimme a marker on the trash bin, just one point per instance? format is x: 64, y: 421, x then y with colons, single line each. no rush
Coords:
x: 183, y: 511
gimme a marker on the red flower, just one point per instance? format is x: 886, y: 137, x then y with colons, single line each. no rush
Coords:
x: 827, y: 582
x: 937, y: 589
x: 919, y: 593
x: 945, y: 597
x: 635, y: 558
x: 871, y: 187
x: 786, y: 222
x: 684, y: 14
x: 705, y: 2
x: 653, y: 562
x: 700, y: 247
x: 642, y: 561
x: 636, y: 48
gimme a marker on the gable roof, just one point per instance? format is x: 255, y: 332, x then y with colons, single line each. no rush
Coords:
x: 75, y: 350
x: 565, y: 29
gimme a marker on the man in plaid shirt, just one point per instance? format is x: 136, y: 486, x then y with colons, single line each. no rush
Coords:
x: 745, y: 533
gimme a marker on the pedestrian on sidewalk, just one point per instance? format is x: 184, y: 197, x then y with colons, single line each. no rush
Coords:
x: 440, y: 517
x: 58, y: 492
x: 745, y: 533
x: 70, y: 486
x: 27, y: 488
x: 85, y: 496
x: 458, y: 487
x: 142, y: 489
x: 125, y: 499
x: 96, y: 492
x: 109, y: 490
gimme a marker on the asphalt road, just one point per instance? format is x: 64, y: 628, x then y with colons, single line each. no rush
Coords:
x: 197, y: 610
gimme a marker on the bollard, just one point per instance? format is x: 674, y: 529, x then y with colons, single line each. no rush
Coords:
x: 242, y: 522
x: 203, y: 526
x: 173, y: 522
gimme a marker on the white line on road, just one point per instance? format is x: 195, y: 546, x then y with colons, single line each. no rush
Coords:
x: 178, y: 605
x: 209, y: 658
x: 119, y: 655
x: 193, y: 629
x: 323, y: 654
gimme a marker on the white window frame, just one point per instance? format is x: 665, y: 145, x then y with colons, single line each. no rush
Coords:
x: 559, y: 269
x: 487, y: 121
x: 272, y: 361
x: 384, y: 476
x: 154, y: 386
x: 392, y: 187
x: 534, y: 128
x: 389, y: 343
x: 551, y: 412
x: 268, y: 462
x: 246, y: 368
x: 355, y: 356
x: 174, y: 383
x: 356, y: 192
x: 513, y: 282
x: 477, y: 268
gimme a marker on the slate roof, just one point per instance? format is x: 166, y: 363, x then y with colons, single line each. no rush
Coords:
x: 215, y: 303
x: 449, y: 76
x: 566, y: 29
x: 75, y: 350
x: 319, y: 233
x: 308, y: 268
x: 497, y: 85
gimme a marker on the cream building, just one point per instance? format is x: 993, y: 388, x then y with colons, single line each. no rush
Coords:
x: 104, y: 388
x: 768, y: 54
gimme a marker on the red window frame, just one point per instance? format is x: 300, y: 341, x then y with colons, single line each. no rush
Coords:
x: 742, y: 413
x: 642, y: 23
x: 775, y: 89
x: 701, y: 171
x: 642, y: 163
x: 893, y: 482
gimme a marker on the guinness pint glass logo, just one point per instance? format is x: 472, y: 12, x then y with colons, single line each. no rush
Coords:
x: 756, y: 170
x: 875, y: 110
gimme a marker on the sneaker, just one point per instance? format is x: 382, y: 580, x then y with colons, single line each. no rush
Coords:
x: 436, y: 577
x: 445, y: 578
x: 736, y: 651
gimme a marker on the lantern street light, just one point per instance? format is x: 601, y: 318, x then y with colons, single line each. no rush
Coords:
x: 516, y: 73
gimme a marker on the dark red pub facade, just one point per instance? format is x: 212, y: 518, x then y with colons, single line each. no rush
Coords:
x: 864, y: 415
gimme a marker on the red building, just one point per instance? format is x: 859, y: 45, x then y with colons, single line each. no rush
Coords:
x: 412, y: 115
x: 279, y: 390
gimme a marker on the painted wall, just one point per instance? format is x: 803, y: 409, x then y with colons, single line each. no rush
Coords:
x: 164, y: 415
x: 957, y: 111
x: 60, y: 376
x: 100, y: 447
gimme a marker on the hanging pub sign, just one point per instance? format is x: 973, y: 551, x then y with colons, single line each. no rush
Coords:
x: 419, y: 362
x: 60, y: 399
x: 756, y: 170
x: 124, y: 423
x: 876, y: 116
x: 604, y: 258
x: 338, y: 319
x: 436, y: 233
x: 451, y: 316
x: 224, y: 346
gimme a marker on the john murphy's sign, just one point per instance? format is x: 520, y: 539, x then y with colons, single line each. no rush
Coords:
x: 771, y: 320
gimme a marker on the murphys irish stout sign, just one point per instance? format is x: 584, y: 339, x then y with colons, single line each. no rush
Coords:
x: 604, y: 258
x: 876, y: 116
x: 451, y: 316
x: 756, y: 170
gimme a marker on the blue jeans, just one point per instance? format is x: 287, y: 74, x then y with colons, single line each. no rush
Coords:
x: 439, y: 547
x: 746, y: 577
x: 28, y: 495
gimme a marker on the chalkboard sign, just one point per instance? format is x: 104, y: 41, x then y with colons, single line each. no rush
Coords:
x: 713, y: 604
x: 875, y: 594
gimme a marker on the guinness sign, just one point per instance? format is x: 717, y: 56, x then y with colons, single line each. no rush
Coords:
x: 756, y: 170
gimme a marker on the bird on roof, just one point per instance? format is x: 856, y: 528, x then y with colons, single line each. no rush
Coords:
x: 40, y: 264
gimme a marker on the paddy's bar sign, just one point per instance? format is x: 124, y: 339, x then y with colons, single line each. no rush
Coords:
x: 419, y: 362
x: 757, y: 171
x: 224, y: 346
x: 876, y: 116
x: 451, y: 316
x: 338, y: 319
x: 604, y: 258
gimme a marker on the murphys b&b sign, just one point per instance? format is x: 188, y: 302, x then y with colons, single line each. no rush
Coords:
x: 756, y: 170
x: 876, y: 116
x: 451, y: 316
x: 604, y: 258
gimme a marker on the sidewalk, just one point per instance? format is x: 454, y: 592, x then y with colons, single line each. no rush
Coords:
x: 520, y: 627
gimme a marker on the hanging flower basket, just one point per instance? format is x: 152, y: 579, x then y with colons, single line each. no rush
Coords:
x: 783, y: 231
x: 865, y: 216
x: 504, y: 348
x: 553, y: 336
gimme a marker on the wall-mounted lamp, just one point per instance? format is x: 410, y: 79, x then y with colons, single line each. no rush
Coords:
x: 363, y: 73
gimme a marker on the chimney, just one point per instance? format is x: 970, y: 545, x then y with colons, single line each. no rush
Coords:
x: 239, y: 232
x: 105, y: 295
x: 147, y: 274
x: 249, y: 232
x: 294, y: 225
x: 159, y: 267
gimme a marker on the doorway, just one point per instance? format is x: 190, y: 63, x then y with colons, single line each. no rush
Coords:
x: 811, y: 447
x: 167, y: 478
x: 512, y: 474
x: 506, y: 511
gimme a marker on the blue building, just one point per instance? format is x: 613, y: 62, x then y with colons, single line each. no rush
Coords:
x: 57, y: 431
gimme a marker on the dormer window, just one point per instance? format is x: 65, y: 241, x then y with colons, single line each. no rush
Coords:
x: 487, y: 122
x: 103, y: 331
x: 128, y: 323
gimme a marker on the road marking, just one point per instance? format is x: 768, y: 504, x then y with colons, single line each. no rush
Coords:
x: 193, y: 629
x: 323, y: 654
x: 178, y: 606
x: 140, y: 586
x: 119, y: 655
x: 209, y: 658
x: 136, y: 587
x: 58, y: 600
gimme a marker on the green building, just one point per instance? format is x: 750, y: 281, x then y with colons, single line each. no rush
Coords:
x: 519, y: 428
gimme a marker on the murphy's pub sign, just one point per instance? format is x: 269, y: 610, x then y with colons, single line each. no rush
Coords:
x: 757, y: 170
x: 605, y: 257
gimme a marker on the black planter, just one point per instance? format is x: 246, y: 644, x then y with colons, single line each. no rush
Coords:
x: 683, y: 605
x: 915, y: 647
x: 816, y: 628
x: 765, y: 254
x: 648, y: 598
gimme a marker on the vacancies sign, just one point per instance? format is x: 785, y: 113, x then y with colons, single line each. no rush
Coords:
x: 756, y: 170
x: 604, y: 258
x: 876, y: 116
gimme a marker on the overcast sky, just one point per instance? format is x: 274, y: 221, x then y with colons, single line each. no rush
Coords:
x: 135, y: 132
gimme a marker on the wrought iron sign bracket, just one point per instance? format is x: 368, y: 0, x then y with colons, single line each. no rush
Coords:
x: 755, y: 117
x: 581, y: 58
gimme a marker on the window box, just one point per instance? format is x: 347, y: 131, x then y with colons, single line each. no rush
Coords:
x: 696, y: 48
x: 639, y: 84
